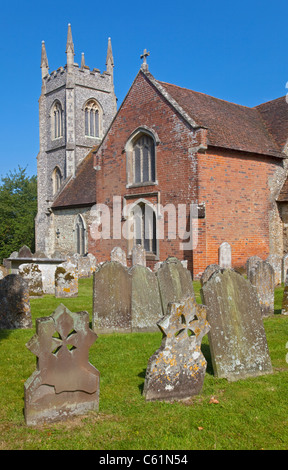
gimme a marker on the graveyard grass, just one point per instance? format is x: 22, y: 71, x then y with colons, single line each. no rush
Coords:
x: 249, y: 414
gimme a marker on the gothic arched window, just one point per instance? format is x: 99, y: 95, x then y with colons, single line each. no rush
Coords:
x: 144, y: 221
x: 143, y: 159
x: 56, y: 121
x: 92, y: 119
x: 80, y: 235
x: 56, y: 180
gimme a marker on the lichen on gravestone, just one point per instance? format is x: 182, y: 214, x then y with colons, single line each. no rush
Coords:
x: 176, y: 370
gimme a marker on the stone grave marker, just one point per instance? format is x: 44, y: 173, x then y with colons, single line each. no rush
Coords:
x: 117, y: 254
x: 32, y: 274
x: 66, y: 280
x: 276, y: 263
x: 15, y: 309
x: 25, y: 252
x: 138, y: 255
x: 225, y: 255
x: 111, y: 298
x: 261, y: 276
x: 175, y: 282
x: 251, y: 262
x: 209, y: 270
x: 237, y: 337
x: 284, y: 267
x: 64, y: 384
x: 284, y: 310
x: 146, y: 307
x: 177, y: 369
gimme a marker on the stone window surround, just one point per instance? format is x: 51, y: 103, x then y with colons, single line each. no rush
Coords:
x: 137, y: 134
x: 56, y: 120
x: 89, y: 104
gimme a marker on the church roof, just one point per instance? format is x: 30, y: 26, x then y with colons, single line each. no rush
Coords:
x: 80, y: 190
x: 234, y: 126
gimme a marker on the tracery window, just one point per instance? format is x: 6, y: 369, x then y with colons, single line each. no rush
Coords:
x: 57, y: 121
x: 92, y: 121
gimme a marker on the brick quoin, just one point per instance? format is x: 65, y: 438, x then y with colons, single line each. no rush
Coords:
x: 232, y: 184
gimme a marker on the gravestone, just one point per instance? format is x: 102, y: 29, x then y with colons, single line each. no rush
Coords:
x: 24, y: 252
x: 66, y: 280
x: 251, y: 262
x: 237, y: 337
x: 3, y: 272
x: 117, y: 254
x: 209, y: 270
x: 138, y: 255
x: 175, y: 282
x: 276, y: 263
x: 15, y: 309
x: 284, y: 267
x: 177, y: 369
x: 64, y: 384
x: 284, y: 310
x: 261, y: 276
x: 146, y: 308
x: 32, y: 274
x: 225, y: 255
x: 111, y: 298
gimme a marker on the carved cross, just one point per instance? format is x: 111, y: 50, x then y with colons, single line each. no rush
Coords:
x: 143, y: 56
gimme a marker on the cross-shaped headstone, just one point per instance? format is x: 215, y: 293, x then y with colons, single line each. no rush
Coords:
x: 143, y: 56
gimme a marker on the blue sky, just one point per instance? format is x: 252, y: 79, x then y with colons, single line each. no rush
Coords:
x: 237, y: 51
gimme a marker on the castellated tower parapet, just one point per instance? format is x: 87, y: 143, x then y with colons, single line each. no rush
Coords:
x: 76, y: 107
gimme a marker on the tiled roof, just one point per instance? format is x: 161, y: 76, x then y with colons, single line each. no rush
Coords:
x: 80, y: 190
x: 275, y: 115
x: 230, y: 125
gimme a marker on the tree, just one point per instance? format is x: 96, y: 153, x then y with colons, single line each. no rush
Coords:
x: 18, y: 208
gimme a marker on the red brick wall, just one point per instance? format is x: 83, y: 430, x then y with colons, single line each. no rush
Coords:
x: 234, y: 187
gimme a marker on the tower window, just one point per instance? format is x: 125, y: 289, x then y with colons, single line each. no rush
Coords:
x: 92, y: 128
x: 56, y: 179
x: 57, y: 121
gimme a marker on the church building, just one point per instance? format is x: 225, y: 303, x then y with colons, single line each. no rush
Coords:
x: 175, y: 170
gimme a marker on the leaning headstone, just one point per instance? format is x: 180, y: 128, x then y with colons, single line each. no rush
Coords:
x: 209, y: 270
x: 251, y: 262
x: 225, y: 255
x: 237, y: 337
x: 177, y: 369
x: 66, y: 280
x: 117, y: 254
x: 111, y: 298
x: 276, y: 263
x: 64, y: 384
x: 15, y: 309
x: 146, y: 308
x: 175, y: 282
x: 261, y: 277
x: 32, y: 274
x: 138, y: 255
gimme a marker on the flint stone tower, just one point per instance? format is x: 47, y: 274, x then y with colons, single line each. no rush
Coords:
x: 76, y: 107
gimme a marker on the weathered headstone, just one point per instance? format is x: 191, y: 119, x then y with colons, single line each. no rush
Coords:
x: 146, y: 308
x: 3, y: 272
x: 237, y: 337
x: 25, y: 252
x: 66, y: 280
x: 209, y: 270
x: 138, y: 255
x: 225, y: 255
x: 261, y: 276
x: 117, y: 254
x: 111, y: 298
x: 284, y: 309
x: 276, y: 263
x: 32, y: 274
x: 15, y: 309
x: 64, y: 384
x: 177, y: 369
x: 175, y: 282
x: 251, y: 262
x: 284, y: 267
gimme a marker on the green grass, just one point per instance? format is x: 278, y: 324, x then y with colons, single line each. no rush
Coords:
x: 250, y: 414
